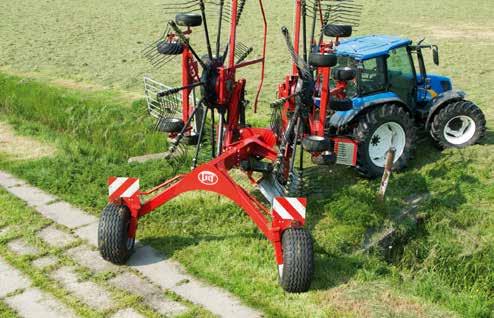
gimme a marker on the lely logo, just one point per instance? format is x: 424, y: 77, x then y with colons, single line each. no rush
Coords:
x: 208, y: 178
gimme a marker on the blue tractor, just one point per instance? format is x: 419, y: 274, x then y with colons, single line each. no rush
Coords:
x: 392, y: 95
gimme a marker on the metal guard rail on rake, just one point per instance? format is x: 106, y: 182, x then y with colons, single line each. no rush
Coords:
x: 238, y: 147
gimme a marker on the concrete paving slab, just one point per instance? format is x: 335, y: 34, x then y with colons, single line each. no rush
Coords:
x: 169, y: 275
x: 20, y: 247
x: 89, y: 233
x: 33, y: 196
x: 4, y: 230
x: 152, y: 295
x: 65, y: 214
x: 87, y: 291
x: 35, y: 303
x: 8, y: 180
x: 11, y: 279
x: 91, y: 259
x: 45, y: 261
x: 127, y: 313
x: 55, y: 237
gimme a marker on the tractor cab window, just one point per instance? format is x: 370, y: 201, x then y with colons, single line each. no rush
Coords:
x: 401, y: 75
x: 372, y: 76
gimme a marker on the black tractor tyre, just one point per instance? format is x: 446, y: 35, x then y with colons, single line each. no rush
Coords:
x: 170, y: 125
x: 114, y: 243
x: 447, y: 115
x: 368, y: 123
x: 315, y: 144
x: 298, y: 260
x: 168, y: 48
x: 323, y: 60
x: 335, y: 30
x: 188, y: 19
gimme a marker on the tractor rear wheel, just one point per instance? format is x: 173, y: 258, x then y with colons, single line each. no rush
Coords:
x: 114, y: 242
x: 379, y: 130
x: 298, y: 257
x: 458, y: 125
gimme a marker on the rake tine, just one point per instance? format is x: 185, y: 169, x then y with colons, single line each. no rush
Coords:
x: 182, y: 37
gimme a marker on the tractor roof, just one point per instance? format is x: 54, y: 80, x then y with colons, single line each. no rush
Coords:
x: 370, y: 46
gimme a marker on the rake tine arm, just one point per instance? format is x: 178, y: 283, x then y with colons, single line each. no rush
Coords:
x: 300, y: 63
x: 218, y: 34
x: 186, y: 41
x: 178, y: 89
x: 206, y: 29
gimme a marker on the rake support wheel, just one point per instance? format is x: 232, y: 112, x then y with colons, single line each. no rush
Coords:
x: 170, y: 125
x: 335, y: 30
x: 314, y: 144
x: 114, y: 243
x: 167, y: 48
x: 298, y: 257
x: 323, y: 60
x: 188, y: 19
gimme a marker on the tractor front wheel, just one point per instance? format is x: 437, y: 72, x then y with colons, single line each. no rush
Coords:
x: 114, y: 242
x: 458, y: 125
x: 379, y: 130
x: 298, y: 257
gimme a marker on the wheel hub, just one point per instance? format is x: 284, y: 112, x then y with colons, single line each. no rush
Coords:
x: 388, y: 135
x: 459, y: 130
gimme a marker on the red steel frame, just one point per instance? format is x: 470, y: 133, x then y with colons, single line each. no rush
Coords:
x: 317, y: 118
x: 240, y: 144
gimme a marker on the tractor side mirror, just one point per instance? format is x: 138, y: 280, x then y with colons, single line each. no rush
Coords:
x: 435, y: 54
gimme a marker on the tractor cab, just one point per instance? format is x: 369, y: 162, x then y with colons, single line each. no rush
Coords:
x: 391, y: 67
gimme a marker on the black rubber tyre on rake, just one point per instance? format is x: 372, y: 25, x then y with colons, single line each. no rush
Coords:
x: 167, y: 48
x: 113, y: 241
x: 298, y: 257
x: 447, y: 116
x: 323, y: 59
x: 188, y: 19
x: 316, y: 144
x: 335, y: 30
x: 367, y: 125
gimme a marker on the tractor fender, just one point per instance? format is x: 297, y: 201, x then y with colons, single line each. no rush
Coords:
x: 360, y: 104
x: 442, y: 100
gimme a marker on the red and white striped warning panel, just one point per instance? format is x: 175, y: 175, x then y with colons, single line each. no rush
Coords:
x: 122, y: 187
x: 290, y: 208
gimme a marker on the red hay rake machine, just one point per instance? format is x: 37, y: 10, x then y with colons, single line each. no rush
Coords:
x: 267, y: 156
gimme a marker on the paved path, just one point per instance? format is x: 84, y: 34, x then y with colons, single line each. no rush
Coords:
x: 158, y: 273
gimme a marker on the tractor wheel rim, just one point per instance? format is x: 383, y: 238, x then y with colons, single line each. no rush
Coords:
x: 388, y: 135
x: 459, y: 130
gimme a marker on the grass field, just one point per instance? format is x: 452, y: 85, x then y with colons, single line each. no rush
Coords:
x: 444, y: 267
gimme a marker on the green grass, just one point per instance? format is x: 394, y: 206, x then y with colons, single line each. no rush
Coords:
x: 443, y: 261
x: 445, y: 265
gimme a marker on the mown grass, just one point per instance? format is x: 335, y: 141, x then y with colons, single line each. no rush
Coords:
x: 446, y: 260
